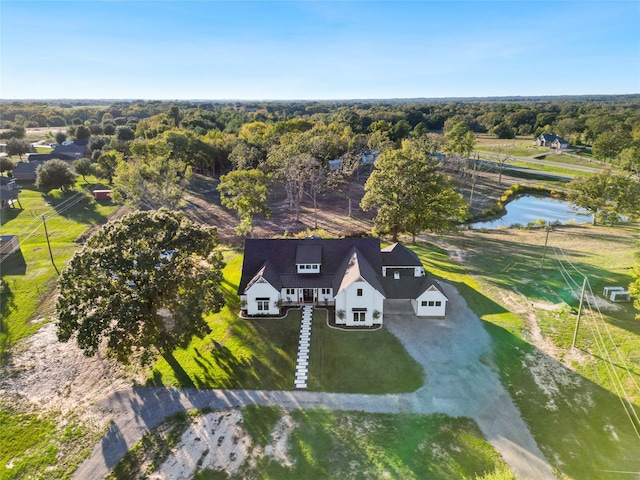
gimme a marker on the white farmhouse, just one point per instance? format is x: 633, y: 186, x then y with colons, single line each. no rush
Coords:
x: 354, y: 275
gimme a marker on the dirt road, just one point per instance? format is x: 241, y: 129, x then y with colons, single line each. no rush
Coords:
x: 454, y: 352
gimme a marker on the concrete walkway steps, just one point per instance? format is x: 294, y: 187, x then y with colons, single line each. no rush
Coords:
x: 304, y: 344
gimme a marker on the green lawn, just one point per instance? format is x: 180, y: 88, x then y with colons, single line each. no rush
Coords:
x: 581, y: 402
x: 261, y: 353
x: 384, y: 366
x: 33, y: 445
x: 28, y: 276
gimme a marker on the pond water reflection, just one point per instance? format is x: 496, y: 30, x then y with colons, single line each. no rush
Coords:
x: 528, y: 208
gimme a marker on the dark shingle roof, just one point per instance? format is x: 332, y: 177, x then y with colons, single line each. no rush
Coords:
x: 354, y: 266
x: 398, y: 255
x: 408, y: 287
x: 282, y: 254
x: 308, y: 253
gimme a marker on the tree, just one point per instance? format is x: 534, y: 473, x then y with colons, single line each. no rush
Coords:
x: 6, y: 165
x: 107, y: 164
x: 17, y: 147
x: 60, y: 137
x: 245, y: 191
x: 83, y: 167
x: 606, y: 196
x: 459, y: 140
x: 54, y: 174
x: 141, y: 284
x: 82, y: 131
x: 125, y: 133
x: 152, y: 179
x: 16, y: 131
x: 611, y: 143
x: 344, y: 177
x: 245, y: 156
x: 630, y: 159
x: 315, y: 180
x: 411, y: 195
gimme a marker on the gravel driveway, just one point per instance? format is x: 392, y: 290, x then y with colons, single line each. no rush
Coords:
x: 455, y: 353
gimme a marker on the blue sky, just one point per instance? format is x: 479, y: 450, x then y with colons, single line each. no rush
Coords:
x: 317, y: 50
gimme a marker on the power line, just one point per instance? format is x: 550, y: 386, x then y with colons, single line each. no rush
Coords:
x: 617, y: 384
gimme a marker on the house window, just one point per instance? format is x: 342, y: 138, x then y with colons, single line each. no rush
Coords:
x: 359, y: 292
x: 359, y: 314
x: 262, y: 304
x: 326, y: 291
x: 438, y: 303
x: 424, y: 303
x: 291, y: 291
x: 431, y: 303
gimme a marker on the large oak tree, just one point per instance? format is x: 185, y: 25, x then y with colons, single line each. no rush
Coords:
x: 141, y: 284
x: 411, y: 195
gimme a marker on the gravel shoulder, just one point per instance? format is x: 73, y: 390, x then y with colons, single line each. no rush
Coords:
x: 456, y: 356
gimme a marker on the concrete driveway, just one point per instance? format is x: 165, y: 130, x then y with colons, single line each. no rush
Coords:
x: 455, y: 353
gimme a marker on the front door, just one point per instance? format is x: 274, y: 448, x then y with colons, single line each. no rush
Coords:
x: 308, y: 295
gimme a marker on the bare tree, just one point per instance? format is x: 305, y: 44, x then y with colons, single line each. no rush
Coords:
x: 346, y: 176
x: 500, y: 159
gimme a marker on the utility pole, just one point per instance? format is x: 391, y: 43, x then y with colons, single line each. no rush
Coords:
x: 575, y: 333
x: 546, y: 241
x: 49, y: 245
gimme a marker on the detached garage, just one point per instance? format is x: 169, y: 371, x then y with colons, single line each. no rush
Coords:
x: 431, y: 303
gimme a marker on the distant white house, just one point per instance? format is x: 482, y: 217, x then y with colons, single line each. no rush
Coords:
x: 551, y: 141
x: 354, y: 275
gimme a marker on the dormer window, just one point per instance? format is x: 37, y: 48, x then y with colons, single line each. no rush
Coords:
x: 308, y: 268
x: 308, y: 258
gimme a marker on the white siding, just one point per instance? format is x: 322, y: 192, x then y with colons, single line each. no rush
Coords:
x: 426, y: 305
x: 260, y: 290
x: 348, y: 301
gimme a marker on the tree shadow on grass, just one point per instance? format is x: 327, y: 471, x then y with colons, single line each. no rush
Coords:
x: 77, y: 206
x: 581, y: 427
x: 7, y: 305
x: 180, y: 373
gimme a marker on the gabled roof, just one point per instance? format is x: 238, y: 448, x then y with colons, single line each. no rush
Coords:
x: 6, y: 194
x: 398, y: 255
x: 551, y: 137
x: 308, y: 253
x: 268, y: 273
x: 283, y: 255
x: 354, y: 267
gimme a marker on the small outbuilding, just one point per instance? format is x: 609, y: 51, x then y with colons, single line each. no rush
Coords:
x: 102, y: 194
x: 8, y: 245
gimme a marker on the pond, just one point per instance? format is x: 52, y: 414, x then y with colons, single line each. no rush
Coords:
x: 528, y: 208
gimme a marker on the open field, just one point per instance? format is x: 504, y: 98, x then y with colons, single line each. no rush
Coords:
x: 531, y: 313
x: 322, y: 444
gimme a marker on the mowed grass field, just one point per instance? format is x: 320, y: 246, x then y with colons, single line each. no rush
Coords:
x: 260, y: 353
x: 581, y: 404
x: 28, y: 276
